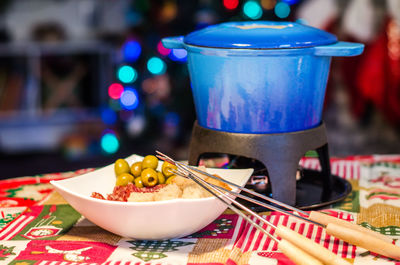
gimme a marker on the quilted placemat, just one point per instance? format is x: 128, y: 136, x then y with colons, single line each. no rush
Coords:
x: 38, y: 227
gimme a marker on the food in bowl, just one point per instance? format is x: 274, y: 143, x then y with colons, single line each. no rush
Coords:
x: 143, y: 173
x: 142, y: 182
x: 155, y: 220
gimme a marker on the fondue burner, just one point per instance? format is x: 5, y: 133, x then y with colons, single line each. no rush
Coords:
x: 280, y: 153
x: 258, y: 89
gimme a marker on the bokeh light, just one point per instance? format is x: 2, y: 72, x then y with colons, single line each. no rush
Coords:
x: 302, y: 21
x: 109, y: 143
x: 133, y: 17
x: 127, y: 74
x: 252, y: 9
x: 268, y: 4
x: 129, y: 99
x: 108, y: 116
x: 290, y: 2
x: 230, y: 4
x: 156, y: 66
x: 168, y: 11
x: 131, y: 50
x: 115, y: 90
x: 162, y: 50
x: 282, y: 10
x: 172, y: 118
x: 178, y: 55
x: 171, y: 124
x: 136, y: 125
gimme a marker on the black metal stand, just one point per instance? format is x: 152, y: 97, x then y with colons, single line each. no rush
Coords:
x: 279, y: 152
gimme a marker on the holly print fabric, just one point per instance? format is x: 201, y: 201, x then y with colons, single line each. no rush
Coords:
x: 38, y: 227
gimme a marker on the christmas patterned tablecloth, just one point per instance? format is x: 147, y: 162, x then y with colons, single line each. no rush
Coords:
x: 38, y: 227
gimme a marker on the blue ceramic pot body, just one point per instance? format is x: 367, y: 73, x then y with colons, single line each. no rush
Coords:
x: 245, y: 91
x: 260, y: 77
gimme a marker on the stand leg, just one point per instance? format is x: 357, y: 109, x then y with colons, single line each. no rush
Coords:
x: 280, y: 153
x: 324, y: 160
x: 194, y: 154
x: 282, y: 178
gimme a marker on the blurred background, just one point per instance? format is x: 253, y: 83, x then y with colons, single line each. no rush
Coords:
x: 84, y: 82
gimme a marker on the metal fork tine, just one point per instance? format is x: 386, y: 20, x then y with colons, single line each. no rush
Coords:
x: 224, y: 198
x: 233, y: 184
x: 304, y: 250
x: 252, y: 200
x: 190, y: 169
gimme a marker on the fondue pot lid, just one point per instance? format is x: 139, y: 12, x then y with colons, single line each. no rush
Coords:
x: 259, y: 35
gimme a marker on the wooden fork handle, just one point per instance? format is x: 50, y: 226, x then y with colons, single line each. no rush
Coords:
x: 366, y: 241
x: 297, y: 255
x: 310, y: 247
x: 327, y: 219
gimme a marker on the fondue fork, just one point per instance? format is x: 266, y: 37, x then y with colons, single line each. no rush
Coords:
x: 347, y: 231
x: 297, y: 247
x: 293, y: 252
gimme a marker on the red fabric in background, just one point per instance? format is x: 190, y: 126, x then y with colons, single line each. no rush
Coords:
x: 372, y: 78
x: 377, y: 79
x: 349, y: 69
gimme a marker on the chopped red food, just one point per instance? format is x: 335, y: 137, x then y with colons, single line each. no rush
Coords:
x: 122, y: 193
x: 97, y: 196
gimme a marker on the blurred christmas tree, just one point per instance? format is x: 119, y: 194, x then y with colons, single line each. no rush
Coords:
x: 150, y: 105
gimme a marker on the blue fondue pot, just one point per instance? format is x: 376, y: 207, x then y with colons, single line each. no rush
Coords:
x: 260, y: 77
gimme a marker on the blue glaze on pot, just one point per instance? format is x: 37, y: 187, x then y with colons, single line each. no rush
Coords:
x: 259, y: 35
x: 260, y: 88
x: 257, y: 94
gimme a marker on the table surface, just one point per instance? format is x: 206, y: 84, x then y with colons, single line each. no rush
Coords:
x: 37, y: 226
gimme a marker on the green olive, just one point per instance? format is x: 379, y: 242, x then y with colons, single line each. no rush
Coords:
x: 167, y: 168
x: 170, y: 179
x: 121, y: 166
x: 150, y: 161
x: 138, y: 182
x: 149, y: 177
x: 123, y: 179
x: 161, y: 177
x: 136, y: 169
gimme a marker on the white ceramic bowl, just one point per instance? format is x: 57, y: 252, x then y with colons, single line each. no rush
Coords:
x: 143, y: 220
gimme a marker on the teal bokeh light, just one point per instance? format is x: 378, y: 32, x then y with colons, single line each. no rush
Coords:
x: 156, y: 66
x: 282, y: 10
x: 109, y: 143
x: 252, y: 9
x: 127, y: 74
